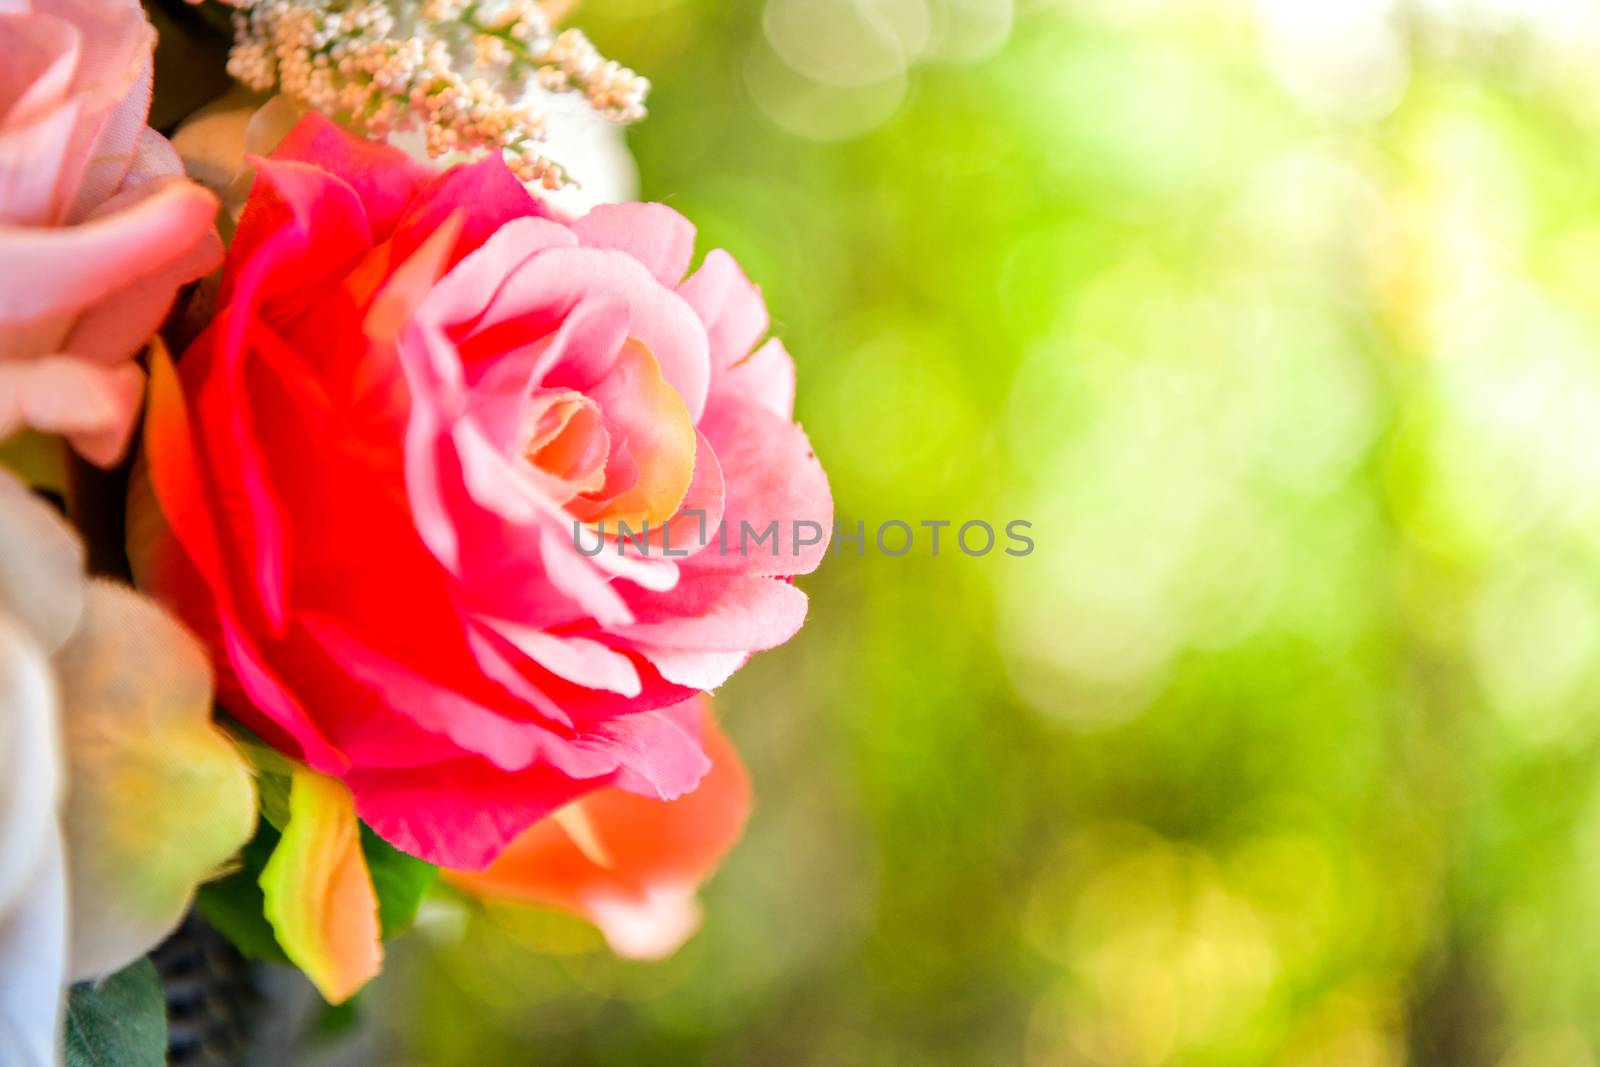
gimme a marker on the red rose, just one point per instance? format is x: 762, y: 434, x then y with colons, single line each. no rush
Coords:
x: 361, y: 486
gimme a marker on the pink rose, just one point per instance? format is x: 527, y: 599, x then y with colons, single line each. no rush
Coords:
x: 369, y: 470
x: 98, y: 227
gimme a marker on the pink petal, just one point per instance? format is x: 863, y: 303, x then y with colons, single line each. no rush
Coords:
x: 116, y: 143
x: 51, y: 271
x: 731, y: 307
x: 697, y: 670
x: 473, y: 282
x: 33, y: 165
x: 487, y: 193
x: 508, y: 743
x: 577, y: 577
x: 586, y: 345
x: 765, y: 378
x: 269, y: 695
x: 460, y: 813
x: 542, y: 292
x: 653, y: 234
x: 93, y: 405
x: 153, y: 157
x: 122, y: 322
x: 771, y: 476
x: 111, y: 87
x: 719, y: 614
x: 694, y: 527
x: 577, y: 659
x: 582, y: 708
x: 659, y: 752
x: 625, y: 862
x: 43, y: 55
x: 116, y: 37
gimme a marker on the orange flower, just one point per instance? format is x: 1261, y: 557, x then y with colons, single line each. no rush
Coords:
x: 626, y: 863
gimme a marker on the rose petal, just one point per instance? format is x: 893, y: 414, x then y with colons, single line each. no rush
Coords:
x: 695, y: 669
x: 52, y: 271
x: 628, y: 863
x: 459, y: 813
x: 33, y: 161
x: 660, y: 436
x: 508, y: 743
x: 539, y: 294
x: 765, y: 378
x: 31, y: 783
x: 33, y: 951
x: 485, y: 191
x: 41, y: 573
x: 302, y: 229
x: 136, y: 712
x: 120, y: 323
x: 718, y: 614
x: 384, y: 179
x: 771, y: 479
x: 93, y: 405
x: 577, y: 659
x: 116, y: 145
x: 731, y: 307
x: 654, y: 234
x: 318, y: 893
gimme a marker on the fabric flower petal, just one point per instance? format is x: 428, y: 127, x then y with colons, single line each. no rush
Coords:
x: 33, y: 957
x: 159, y: 797
x: 30, y: 758
x: 91, y: 404
x: 98, y: 227
x: 627, y: 863
x: 43, y: 586
x: 369, y: 472
x: 318, y: 892
x: 383, y: 178
x: 654, y: 234
x: 731, y: 307
x: 50, y: 271
x: 772, y: 479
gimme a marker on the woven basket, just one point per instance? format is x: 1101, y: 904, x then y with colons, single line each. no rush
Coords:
x: 215, y: 1001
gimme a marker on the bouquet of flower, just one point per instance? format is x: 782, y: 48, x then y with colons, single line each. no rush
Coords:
x: 377, y: 501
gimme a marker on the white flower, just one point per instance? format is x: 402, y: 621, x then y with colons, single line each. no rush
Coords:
x: 446, y: 81
x: 214, y: 141
x: 117, y: 794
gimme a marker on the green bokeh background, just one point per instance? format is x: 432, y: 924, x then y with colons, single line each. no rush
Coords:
x: 1281, y: 747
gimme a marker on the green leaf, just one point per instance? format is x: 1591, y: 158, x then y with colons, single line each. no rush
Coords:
x: 273, y: 772
x: 272, y: 787
x: 120, y: 1021
x: 401, y: 882
x: 234, y: 904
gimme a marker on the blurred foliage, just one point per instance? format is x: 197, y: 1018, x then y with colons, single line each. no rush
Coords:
x: 1281, y: 748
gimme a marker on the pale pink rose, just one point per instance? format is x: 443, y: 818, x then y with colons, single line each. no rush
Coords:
x: 98, y: 226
